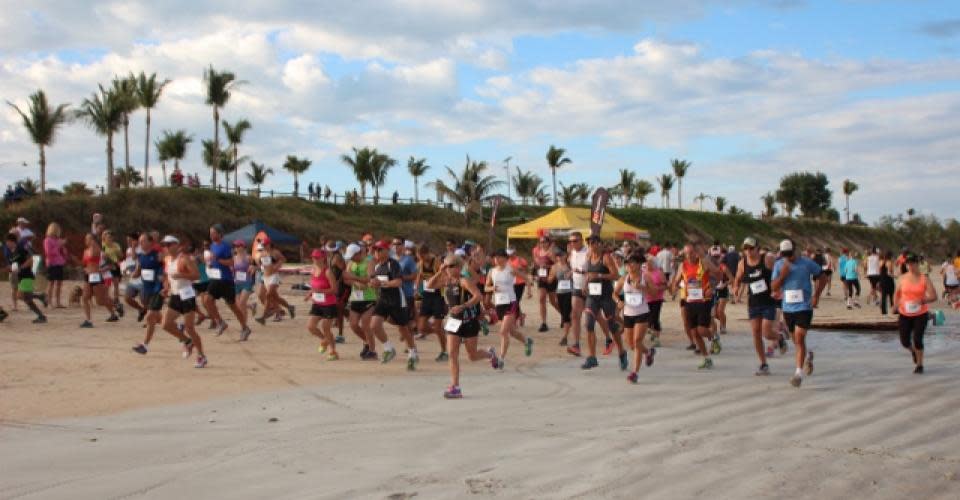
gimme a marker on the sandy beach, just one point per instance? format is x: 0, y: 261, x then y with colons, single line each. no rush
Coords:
x: 81, y: 416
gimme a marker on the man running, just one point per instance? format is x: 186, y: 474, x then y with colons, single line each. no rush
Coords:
x: 578, y: 264
x: 792, y: 277
x: 222, y: 285
x: 391, y: 305
x: 755, y: 271
x: 149, y: 271
x: 363, y: 297
x: 693, y: 280
x: 21, y: 262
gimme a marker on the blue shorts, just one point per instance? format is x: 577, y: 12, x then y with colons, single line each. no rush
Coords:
x: 768, y: 313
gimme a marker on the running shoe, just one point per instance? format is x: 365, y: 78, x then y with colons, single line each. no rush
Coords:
x: 142, y: 313
x: 452, y: 392
x: 918, y: 370
x: 364, y: 351
x: 262, y: 320
x: 187, y: 348
x: 333, y: 357
x: 221, y: 327
x: 421, y: 336
x: 715, y: 346
x: 245, y: 334
x: 369, y: 356
x: 119, y: 309
x: 624, y: 361
x: 442, y: 357
x: 543, y: 328
x: 706, y: 364
x: 608, y: 347
x: 796, y: 380
x: 412, y: 363
x: 563, y: 341
x: 389, y: 355
x: 784, y: 347
x: 591, y: 362
x: 86, y: 324
x: 201, y: 362
x: 692, y: 347
x: 763, y: 370
x: 528, y: 347
x: 770, y: 351
x: 40, y: 320
x: 648, y: 359
x: 632, y: 378
x: 500, y: 364
x: 494, y: 361
x: 293, y: 311
x: 574, y: 350
x: 140, y: 349
x: 113, y: 318
x: 808, y: 364
x: 322, y: 349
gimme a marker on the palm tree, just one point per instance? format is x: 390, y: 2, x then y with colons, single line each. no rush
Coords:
x: 219, y: 86
x: 148, y: 92
x: 42, y: 123
x: 769, y: 204
x: 258, y: 175
x: 234, y: 135
x: 700, y: 198
x: 568, y: 194
x: 296, y: 166
x: 470, y: 188
x: 788, y: 199
x: 527, y: 185
x: 849, y: 187
x: 680, y: 168
x: 641, y: 189
x: 208, y: 155
x: 417, y: 168
x: 128, y: 176
x: 31, y: 187
x: 125, y: 90
x: 721, y: 203
x: 163, y: 156
x: 77, y: 189
x: 360, y: 164
x: 542, y: 197
x: 104, y: 115
x: 379, y: 165
x: 174, y: 144
x: 666, y: 184
x: 627, y: 183
x: 555, y: 160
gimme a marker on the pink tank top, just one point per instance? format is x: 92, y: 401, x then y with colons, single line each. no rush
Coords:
x: 324, y: 298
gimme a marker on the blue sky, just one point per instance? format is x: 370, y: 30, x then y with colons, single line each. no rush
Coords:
x: 748, y: 91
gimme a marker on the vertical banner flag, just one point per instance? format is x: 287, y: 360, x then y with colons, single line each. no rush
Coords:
x: 493, y: 221
x: 598, y: 210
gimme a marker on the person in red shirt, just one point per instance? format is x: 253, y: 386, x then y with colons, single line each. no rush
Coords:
x: 543, y: 260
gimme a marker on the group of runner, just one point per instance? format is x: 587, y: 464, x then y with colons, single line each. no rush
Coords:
x: 461, y: 291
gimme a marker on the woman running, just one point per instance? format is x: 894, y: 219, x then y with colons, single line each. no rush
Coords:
x: 93, y: 283
x: 462, y: 325
x: 181, y: 272
x: 243, y: 277
x: 755, y: 271
x: 501, y: 280
x: 601, y: 271
x: 55, y: 253
x: 112, y: 273
x: 323, y: 293
x: 635, y: 286
x: 362, y: 297
x: 658, y: 285
x: 914, y: 291
x: 520, y: 283
x: 271, y: 260
x: 339, y: 266
x: 543, y: 255
x: 724, y: 277
x: 561, y: 279
x: 432, y: 308
x: 148, y: 269
x: 886, y: 283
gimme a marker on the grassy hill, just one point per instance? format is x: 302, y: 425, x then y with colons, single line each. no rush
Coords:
x: 190, y: 212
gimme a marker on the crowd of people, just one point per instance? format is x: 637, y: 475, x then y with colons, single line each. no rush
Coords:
x: 461, y: 291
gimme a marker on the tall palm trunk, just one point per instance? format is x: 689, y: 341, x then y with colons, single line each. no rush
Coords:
x: 163, y: 172
x: 296, y: 186
x: 553, y: 173
x: 363, y: 192
x: 236, y: 177
x: 679, y: 191
x: 110, y: 163
x: 416, y: 190
x: 146, y: 154
x: 216, y: 146
x: 126, y: 148
x: 43, y: 175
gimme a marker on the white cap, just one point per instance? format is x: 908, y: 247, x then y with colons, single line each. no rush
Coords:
x: 716, y: 251
x: 21, y: 220
x: 460, y: 252
x: 511, y: 251
x: 352, y: 249
x: 786, y: 246
x: 409, y: 245
x: 170, y: 239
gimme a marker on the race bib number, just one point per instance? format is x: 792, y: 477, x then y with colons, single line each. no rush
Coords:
x: 319, y: 297
x: 356, y: 295
x: 633, y: 299
x: 187, y: 293
x: 452, y: 324
x: 578, y: 279
x: 383, y: 278
x: 266, y: 260
x: 912, y: 307
x: 595, y: 288
x: 563, y: 285
x: 241, y: 276
x: 758, y: 287
x: 793, y: 297
x: 214, y: 273
x: 14, y: 267
x: 826, y: 267
x: 501, y: 299
x: 94, y: 278
x: 542, y: 272
x: 694, y: 293
x: 148, y: 274
x: 427, y: 289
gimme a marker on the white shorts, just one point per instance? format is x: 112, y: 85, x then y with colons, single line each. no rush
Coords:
x: 272, y: 280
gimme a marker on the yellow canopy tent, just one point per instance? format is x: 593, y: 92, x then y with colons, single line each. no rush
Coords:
x: 565, y: 220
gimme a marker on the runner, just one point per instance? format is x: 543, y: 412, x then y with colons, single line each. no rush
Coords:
x: 93, y: 283
x: 697, y: 295
x: 829, y: 266
x: 338, y: 265
x: 55, y: 254
x: 408, y: 271
x: 181, y: 272
x: 243, y: 278
x: 462, y: 325
x: 392, y: 305
x: 271, y: 261
x: 792, y: 277
x: 520, y: 264
x: 950, y: 282
x: 849, y: 273
x: 601, y: 271
x: 134, y: 288
x: 755, y: 272
x: 561, y: 279
x: 323, y: 293
x: 721, y: 278
x: 111, y: 270
x: 22, y: 262
x: 872, y: 268
x: 887, y: 284
x: 658, y: 285
x: 362, y: 297
x: 432, y: 308
x: 578, y: 264
x: 501, y: 281
x: 636, y: 286
x: 665, y: 261
x: 543, y: 255
x: 222, y: 287
x: 149, y: 272
x: 914, y: 291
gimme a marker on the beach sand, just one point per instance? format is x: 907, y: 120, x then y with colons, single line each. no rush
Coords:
x: 81, y: 416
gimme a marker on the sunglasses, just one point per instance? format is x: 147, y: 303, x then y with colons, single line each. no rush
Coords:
x: 574, y: 241
x: 397, y: 243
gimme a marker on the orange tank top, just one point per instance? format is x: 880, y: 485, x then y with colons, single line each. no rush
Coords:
x: 911, y: 297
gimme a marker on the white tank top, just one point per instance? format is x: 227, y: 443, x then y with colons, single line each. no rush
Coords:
x: 578, y: 264
x: 950, y: 274
x: 634, y: 300
x: 171, y: 268
x: 503, y: 280
x: 873, y: 265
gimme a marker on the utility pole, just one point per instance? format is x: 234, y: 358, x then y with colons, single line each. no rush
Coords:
x: 506, y: 170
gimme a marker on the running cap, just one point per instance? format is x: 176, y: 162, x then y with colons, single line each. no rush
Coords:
x: 22, y: 220
x: 731, y: 248
x: 409, y: 245
x: 716, y: 251
x: 749, y: 241
x: 170, y: 239
x: 218, y: 228
x: 382, y: 245
x: 265, y: 240
x: 460, y: 252
x: 786, y: 246
x: 239, y: 243
x: 352, y: 249
x: 332, y: 246
x: 510, y: 251
x: 318, y: 254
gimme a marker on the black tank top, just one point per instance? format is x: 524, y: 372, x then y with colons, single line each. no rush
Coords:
x: 456, y: 295
x: 427, y: 270
x: 606, y: 286
x: 757, y: 273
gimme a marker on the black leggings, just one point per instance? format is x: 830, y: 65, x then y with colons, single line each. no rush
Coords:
x: 565, y: 301
x: 886, y: 293
x: 518, y: 289
x: 655, y: 315
x: 851, y: 286
x: 912, y: 329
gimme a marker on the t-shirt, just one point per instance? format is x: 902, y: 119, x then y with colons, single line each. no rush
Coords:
x: 221, y: 250
x: 848, y: 269
x: 520, y: 264
x: 389, y: 271
x: 150, y: 263
x: 408, y: 266
x: 732, y: 261
x: 665, y: 260
x: 20, y: 256
x: 366, y: 294
x: 657, y: 279
x: 873, y: 265
x: 802, y: 271
x: 949, y: 274
x: 54, y: 252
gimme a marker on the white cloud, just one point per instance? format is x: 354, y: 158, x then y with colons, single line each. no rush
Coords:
x: 303, y: 73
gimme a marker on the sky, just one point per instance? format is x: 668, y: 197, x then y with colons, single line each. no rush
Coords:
x: 746, y: 90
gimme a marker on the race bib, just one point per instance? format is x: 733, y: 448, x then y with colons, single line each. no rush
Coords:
x: 578, y: 279
x: 187, y: 293
x: 694, y: 293
x: 633, y: 299
x: 319, y: 297
x: 356, y: 295
x: 501, y: 299
x: 266, y: 260
x: 452, y: 324
x: 427, y: 289
x: 595, y: 288
x: 383, y: 278
x: 758, y: 287
x: 912, y: 307
x: 542, y: 272
x: 241, y: 276
x: 563, y: 285
x: 826, y: 267
x: 148, y: 274
x: 14, y: 267
x: 793, y: 297
x: 94, y: 278
x: 214, y: 273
